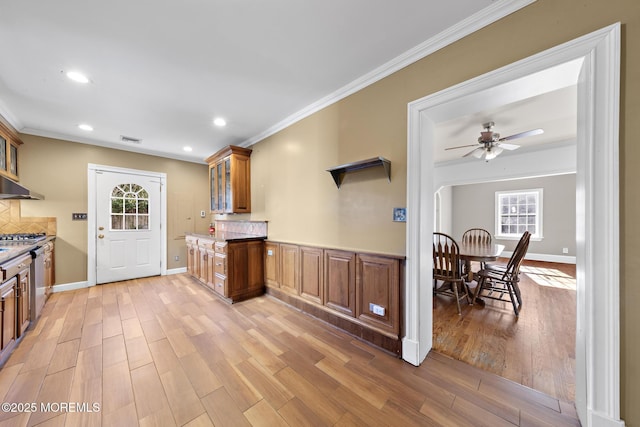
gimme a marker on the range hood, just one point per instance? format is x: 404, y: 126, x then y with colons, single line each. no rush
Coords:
x: 9, y: 189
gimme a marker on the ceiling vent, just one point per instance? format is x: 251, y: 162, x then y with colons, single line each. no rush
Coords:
x: 130, y: 139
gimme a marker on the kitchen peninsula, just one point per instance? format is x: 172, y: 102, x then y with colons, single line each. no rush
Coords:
x: 230, y: 261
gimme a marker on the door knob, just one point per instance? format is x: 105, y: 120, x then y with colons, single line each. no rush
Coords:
x: 100, y: 236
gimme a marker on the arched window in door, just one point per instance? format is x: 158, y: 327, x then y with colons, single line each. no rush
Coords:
x: 129, y: 207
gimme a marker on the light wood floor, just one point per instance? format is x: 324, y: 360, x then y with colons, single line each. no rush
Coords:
x: 536, y: 349
x: 165, y: 351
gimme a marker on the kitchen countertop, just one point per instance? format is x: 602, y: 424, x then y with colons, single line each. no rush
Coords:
x: 9, y: 251
x: 225, y: 236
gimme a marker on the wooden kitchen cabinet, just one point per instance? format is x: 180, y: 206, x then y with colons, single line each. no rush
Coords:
x: 205, y: 263
x: 245, y: 269
x: 9, y: 143
x: 193, y: 257
x: 19, y: 268
x: 24, y: 306
x: 230, y: 180
x: 232, y: 269
x: 8, y: 316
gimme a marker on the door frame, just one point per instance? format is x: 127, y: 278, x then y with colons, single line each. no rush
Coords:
x: 92, y: 169
x: 597, y: 209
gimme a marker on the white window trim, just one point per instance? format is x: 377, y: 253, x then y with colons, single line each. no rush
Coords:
x: 539, y: 235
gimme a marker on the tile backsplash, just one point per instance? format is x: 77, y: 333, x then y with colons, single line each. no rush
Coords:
x: 255, y: 228
x: 11, y: 221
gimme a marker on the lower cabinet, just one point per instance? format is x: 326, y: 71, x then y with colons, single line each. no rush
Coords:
x: 245, y: 268
x: 358, y: 292
x: 24, y: 302
x: 8, y: 316
x: 234, y: 270
x: 15, y: 306
x: 193, y: 257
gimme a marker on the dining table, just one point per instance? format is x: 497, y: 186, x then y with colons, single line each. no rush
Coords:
x: 480, y: 253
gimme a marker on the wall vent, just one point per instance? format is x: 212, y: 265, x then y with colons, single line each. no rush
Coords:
x: 130, y: 139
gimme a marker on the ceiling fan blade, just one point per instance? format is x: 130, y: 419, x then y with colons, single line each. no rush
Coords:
x: 477, y: 153
x: 509, y: 146
x: 522, y: 134
x: 460, y: 146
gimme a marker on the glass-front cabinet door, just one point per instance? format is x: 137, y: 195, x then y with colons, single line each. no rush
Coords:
x: 9, y: 143
x: 227, y: 185
x: 3, y: 154
x: 229, y: 180
x: 212, y: 188
x: 219, y: 181
x: 13, y: 157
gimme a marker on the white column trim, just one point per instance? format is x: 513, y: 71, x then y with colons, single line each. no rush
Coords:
x: 600, y: 339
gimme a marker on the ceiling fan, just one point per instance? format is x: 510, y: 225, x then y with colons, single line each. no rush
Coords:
x: 491, y: 144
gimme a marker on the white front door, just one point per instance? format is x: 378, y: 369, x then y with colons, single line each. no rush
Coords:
x: 128, y: 226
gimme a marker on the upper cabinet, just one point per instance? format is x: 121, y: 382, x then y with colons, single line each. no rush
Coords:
x: 230, y: 180
x: 9, y: 143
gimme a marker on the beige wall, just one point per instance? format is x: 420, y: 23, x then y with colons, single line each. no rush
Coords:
x: 58, y: 170
x: 292, y: 190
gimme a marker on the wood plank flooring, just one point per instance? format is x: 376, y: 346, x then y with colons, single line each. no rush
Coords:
x: 164, y: 351
x: 536, y: 349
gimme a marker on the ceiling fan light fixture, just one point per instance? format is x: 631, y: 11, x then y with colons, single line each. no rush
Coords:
x: 485, y: 136
x: 77, y: 76
x: 492, y: 152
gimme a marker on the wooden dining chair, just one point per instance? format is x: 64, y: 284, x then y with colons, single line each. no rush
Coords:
x: 477, y: 236
x: 447, y: 269
x: 497, y: 282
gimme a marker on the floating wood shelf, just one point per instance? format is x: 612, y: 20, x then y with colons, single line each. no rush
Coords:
x: 338, y: 172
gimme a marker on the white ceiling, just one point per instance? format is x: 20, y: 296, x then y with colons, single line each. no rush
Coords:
x: 161, y: 71
x: 545, y: 100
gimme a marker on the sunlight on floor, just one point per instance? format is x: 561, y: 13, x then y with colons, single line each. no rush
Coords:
x: 550, y: 277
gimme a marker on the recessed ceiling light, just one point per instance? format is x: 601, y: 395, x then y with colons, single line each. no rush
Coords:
x: 86, y: 127
x: 219, y: 121
x: 77, y: 77
x: 187, y: 148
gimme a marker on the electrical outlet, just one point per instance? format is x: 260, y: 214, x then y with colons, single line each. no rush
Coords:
x: 565, y: 250
x: 176, y: 258
x: 269, y: 252
x: 202, y: 214
x: 376, y: 309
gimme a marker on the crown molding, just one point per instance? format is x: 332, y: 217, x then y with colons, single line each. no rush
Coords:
x: 475, y: 22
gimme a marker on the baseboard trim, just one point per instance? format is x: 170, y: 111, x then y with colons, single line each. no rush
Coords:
x: 564, y: 259
x: 70, y: 286
x: 178, y: 270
